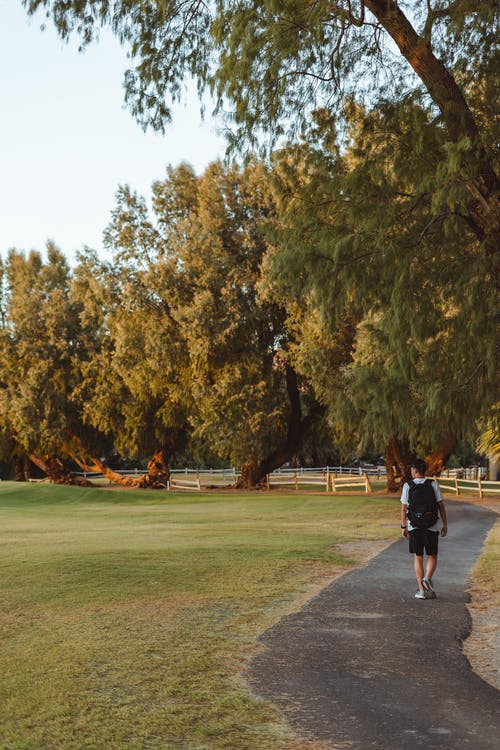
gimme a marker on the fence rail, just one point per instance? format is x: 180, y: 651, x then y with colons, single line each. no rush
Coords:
x: 469, y: 472
x: 298, y: 479
x: 183, y: 484
x: 375, y: 471
x: 327, y: 477
x: 351, y: 482
x: 475, y: 485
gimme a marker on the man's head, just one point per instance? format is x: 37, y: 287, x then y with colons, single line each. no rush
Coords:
x: 418, y: 468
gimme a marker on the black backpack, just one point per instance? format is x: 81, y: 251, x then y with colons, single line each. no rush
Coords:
x: 422, y: 504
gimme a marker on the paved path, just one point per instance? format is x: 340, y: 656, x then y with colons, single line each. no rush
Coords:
x: 364, y: 665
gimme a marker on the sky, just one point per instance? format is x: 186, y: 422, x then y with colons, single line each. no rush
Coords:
x: 67, y: 142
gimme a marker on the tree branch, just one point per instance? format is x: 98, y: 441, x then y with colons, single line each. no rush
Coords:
x: 356, y: 21
x: 432, y: 15
x: 440, y: 84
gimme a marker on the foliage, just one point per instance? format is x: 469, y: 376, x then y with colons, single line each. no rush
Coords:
x: 489, y: 439
x: 275, y: 62
x: 366, y: 233
x: 389, y: 213
x: 131, y: 386
x: 198, y: 263
x: 41, y: 346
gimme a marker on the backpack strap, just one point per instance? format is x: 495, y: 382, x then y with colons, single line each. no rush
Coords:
x: 431, y: 483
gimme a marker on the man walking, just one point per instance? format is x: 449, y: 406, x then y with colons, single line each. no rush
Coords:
x: 421, y: 503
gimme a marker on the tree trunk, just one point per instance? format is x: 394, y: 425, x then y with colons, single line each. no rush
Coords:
x: 21, y: 466
x: 483, y: 208
x: 158, y: 470
x: 253, y: 474
x: 437, y: 458
x: 92, y: 464
x: 398, y: 458
x: 55, y: 470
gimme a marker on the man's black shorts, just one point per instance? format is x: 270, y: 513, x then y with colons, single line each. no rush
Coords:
x: 421, y: 539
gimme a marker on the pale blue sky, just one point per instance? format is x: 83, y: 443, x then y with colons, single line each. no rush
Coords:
x: 66, y: 141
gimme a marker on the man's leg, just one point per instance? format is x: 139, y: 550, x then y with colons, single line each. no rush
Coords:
x: 431, y: 547
x: 431, y: 566
x: 419, y: 569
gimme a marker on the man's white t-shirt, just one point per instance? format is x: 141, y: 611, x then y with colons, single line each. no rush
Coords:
x: 439, y: 498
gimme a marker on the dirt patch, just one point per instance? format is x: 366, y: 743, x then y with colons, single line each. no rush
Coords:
x: 361, y: 551
x: 482, y: 648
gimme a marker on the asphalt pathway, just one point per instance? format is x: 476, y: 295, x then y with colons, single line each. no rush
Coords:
x: 366, y: 665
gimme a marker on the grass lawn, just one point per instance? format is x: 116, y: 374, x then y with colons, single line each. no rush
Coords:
x: 127, y: 617
x: 488, y: 565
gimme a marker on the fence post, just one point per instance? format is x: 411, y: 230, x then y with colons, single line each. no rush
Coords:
x: 479, y: 484
x: 268, y: 483
x: 368, y: 486
x: 456, y: 486
x: 327, y: 478
x: 296, y: 481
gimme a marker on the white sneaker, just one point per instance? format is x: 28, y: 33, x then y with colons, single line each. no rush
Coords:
x: 428, y: 588
x: 421, y: 594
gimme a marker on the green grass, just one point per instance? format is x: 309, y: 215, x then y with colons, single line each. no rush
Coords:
x: 127, y: 617
x: 485, y: 572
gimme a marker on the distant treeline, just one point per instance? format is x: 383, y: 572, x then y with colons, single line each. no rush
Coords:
x: 253, y: 315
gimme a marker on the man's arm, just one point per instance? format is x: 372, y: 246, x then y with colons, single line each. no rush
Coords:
x: 404, y: 509
x: 442, y: 513
x: 404, y: 521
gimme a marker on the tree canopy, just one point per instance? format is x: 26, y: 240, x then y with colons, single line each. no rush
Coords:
x: 375, y: 216
x: 272, y: 63
x: 41, y: 345
x: 361, y: 232
x: 198, y: 259
x: 259, y: 314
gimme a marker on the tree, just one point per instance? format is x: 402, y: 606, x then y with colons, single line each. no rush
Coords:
x: 134, y: 385
x: 275, y: 61
x: 201, y: 262
x: 407, y: 283
x: 40, y: 342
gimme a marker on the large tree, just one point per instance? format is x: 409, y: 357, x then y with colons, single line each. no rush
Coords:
x: 199, y: 261
x: 134, y: 381
x: 359, y: 234
x: 40, y: 344
x: 273, y: 61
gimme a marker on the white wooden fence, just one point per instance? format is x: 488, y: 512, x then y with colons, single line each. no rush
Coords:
x: 295, y: 478
x: 180, y: 483
x: 456, y: 484
x: 324, y: 480
x: 341, y: 481
x: 327, y: 478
